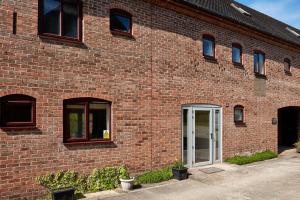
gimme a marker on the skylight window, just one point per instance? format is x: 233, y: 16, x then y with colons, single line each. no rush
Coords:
x: 292, y: 31
x: 241, y: 10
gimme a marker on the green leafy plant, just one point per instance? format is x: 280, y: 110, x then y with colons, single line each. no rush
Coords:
x: 297, y: 143
x: 123, y: 173
x: 155, y: 176
x: 105, y: 178
x: 242, y: 160
x: 179, y: 166
x: 63, y: 179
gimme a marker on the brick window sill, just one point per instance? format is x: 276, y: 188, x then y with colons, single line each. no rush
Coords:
x: 240, y: 124
x: 56, y: 38
x: 19, y: 128
x: 260, y: 76
x: 238, y: 65
x: 88, y: 142
x: 122, y: 34
x: 210, y: 59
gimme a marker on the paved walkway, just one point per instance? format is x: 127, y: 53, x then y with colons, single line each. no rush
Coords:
x: 277, y: 179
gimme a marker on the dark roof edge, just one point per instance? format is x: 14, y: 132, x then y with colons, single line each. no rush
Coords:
x: 235, y: 21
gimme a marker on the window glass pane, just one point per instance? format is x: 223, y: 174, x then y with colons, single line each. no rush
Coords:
x: 70, y: 20
x: 208, y: 47
x: 18, y: 112
x: 120, y: 23
x: 76, y: 121
x: 217, y: 134
x: 51, y: 12
x: 98, y: 120
x: 238, y: 115
x: 256, y: 63
x: 261, y: 64
x: 236, y: 55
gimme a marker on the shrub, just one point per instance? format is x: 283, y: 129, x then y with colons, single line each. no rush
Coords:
x: 179, y: 166
x: 105, y: 178
x: 242, y: 160
x: 63, y: 179
x: 155, y: 176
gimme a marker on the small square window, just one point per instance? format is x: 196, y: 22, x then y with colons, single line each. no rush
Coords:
x: 17, y: 111
x: 239, y: 114
x: 287, y: 65
x: 86, y: 120
x: 120, y: 22
x: 236, y: 53
x: 259, y: 63
x: 60, y: 19
x: 208, y: 46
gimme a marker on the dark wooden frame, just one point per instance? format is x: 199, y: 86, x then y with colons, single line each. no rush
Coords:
x: 286, y: 60
x: 85, y: 102
x: 242, y: 108
x: 238, y: 46
x: 257, y: 74
x: 17, y: 99
x: 42, y: 34
x: 211, y: 38
x: 121, y: 13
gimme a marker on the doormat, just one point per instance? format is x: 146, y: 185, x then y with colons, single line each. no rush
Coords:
x: 211, y: 170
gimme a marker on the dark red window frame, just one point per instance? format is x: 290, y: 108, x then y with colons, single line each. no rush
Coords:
x: 124, y: 14
x: 238, y: 46
x: 42, y: 33
x: 212, y: 39
x: 239, y: 107
x: 85, y: 102
x: 17, y: 99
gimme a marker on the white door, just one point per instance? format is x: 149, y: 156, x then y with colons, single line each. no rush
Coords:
x: 201, y: 129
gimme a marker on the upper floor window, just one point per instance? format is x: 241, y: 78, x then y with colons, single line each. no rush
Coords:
x: 208, y: 46
x: 237, y: 53
x: 239, y: 114
x: 287, y: 65
x: 120, y: 22
x: 259, y: 63
x: 86, y: 120
x: 17, y: 111
x: 60, y: 18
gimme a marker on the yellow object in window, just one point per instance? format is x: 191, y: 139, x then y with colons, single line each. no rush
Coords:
x: 106, y: 134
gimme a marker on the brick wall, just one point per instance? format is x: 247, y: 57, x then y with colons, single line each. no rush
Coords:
x: 147, y: 78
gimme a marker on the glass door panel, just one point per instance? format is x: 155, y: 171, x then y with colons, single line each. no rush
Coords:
x: 202, y: 141
x: 185, y: 137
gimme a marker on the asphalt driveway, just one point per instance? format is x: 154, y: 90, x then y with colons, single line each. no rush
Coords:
x: 273, y: 179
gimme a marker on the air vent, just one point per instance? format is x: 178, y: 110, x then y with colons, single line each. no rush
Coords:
x: 241, y: 10
x: 292, y: 31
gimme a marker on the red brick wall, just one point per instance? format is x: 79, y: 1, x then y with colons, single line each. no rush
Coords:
x: 147, y: 78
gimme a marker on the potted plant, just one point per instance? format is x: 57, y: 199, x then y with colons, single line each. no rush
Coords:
x: 297, y: 145
x: 180, y: 172
x: 65, y: 193
x: 126, y: 180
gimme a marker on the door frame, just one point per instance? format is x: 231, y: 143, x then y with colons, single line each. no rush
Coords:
x: 191, y: 127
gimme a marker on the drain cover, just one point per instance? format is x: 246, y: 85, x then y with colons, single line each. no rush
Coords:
x: 211, y: 170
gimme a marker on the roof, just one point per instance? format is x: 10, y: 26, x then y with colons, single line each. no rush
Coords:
x: 257, y: 21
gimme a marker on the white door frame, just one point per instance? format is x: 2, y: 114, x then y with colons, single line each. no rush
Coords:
x: 191, y: 134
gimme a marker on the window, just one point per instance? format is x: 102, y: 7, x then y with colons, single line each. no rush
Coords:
x: 208, y: 46
x: 60, y: 18
x: 237, y: 53
x: 120, y: 22
x: 86, y: 120
x: 287, y: 65
x: 17, y: 111
x: 259, y: 63
x: 239, y: 114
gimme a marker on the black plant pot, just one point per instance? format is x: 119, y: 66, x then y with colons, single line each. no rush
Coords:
x: 63, y: 194
x: 180, y: 174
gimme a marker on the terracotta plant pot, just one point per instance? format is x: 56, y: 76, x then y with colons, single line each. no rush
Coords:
x: 127, y: 184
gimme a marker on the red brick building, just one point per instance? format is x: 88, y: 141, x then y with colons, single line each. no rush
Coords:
x: 87, y: 84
